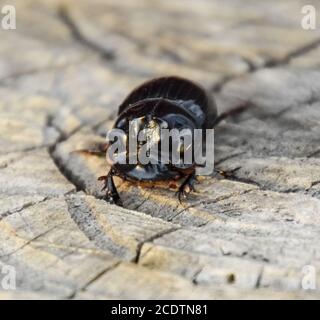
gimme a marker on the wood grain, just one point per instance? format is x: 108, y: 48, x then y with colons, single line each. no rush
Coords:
x: 63, y: 73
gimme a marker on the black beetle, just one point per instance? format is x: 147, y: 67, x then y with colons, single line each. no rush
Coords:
x: 177, y: 102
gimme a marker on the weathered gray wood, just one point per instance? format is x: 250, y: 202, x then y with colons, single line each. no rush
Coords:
x: 63, y: 73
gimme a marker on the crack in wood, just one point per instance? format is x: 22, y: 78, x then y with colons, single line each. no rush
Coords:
x: 97, y: 277
x: 271, y: 63
x: 23, y: 207
x: 17, y: 75
x: 7, y: 255
x: 151, y: 239
x: 65, y: 17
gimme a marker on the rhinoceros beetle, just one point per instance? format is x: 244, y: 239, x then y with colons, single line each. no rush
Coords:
x: 176, y: 102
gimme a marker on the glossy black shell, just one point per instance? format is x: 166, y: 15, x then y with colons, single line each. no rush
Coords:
x: 178, y: 102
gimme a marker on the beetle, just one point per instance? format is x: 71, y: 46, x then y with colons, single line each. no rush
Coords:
x: 171, y: 102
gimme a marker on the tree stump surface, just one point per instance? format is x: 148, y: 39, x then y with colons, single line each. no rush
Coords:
x: 63, y: 73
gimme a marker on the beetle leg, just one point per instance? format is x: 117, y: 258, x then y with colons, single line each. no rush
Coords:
x: 112, y: 195
x: 187, y: 186
x: 226, y: 174
x: 234, y: 111
x: 98, y: 150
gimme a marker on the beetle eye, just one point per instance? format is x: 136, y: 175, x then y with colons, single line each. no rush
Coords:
x: 122, y: 123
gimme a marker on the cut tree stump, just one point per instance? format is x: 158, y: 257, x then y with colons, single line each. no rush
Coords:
x: 63, y: 73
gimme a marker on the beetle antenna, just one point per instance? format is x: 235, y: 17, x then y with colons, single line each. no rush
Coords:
x: 234, y: 111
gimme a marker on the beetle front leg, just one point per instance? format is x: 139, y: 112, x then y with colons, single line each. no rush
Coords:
x: 187, y: 186
x: 112, y: 195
